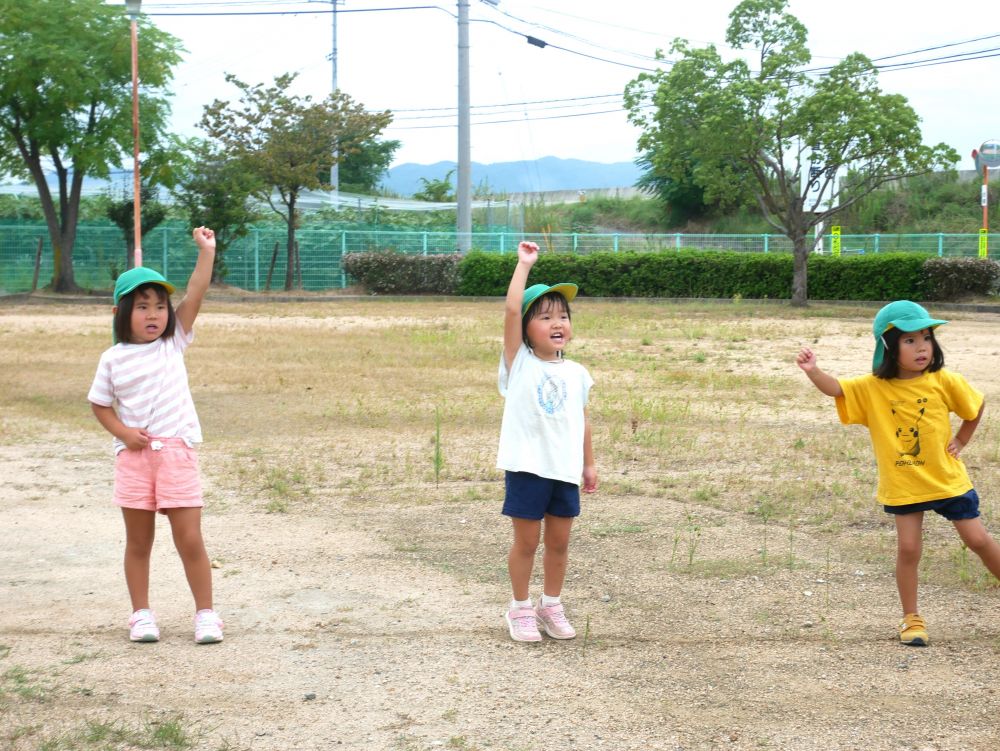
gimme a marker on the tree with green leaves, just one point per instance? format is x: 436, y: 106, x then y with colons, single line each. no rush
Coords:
x: 437, y: 191
x: 362, y: 171
x: 121, y: 211
x: 289, y: 142
x: 66, y: 103
x: 214, y: 190
x: 743, y: 130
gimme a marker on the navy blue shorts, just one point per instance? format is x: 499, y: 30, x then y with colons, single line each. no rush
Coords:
x: 955, y: 509
x: 529, y: 496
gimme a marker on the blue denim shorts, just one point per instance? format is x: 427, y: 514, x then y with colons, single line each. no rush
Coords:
x: 529, y: 496
x: 965, y: 506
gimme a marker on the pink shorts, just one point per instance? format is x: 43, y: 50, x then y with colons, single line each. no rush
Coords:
x: 162, y: 476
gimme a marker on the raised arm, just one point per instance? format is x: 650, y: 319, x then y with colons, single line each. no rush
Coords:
x: 825, y: 382
x: 527, y: 254
x: 201, y: 278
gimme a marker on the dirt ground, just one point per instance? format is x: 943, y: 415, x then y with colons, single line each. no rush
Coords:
x: 355, y: 626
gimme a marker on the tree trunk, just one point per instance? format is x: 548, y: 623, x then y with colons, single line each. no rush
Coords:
x: 61, y: 233
x: 290, y: 266
x: 270, y: 269
x: 800, y: 290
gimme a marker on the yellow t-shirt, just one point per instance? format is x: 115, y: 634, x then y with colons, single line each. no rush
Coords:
x: 910, y: 426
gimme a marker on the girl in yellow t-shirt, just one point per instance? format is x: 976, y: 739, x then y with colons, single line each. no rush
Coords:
x: 906, y: 403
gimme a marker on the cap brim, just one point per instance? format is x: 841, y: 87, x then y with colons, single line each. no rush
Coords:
x: 908, y: 325
x: 567, y: 289
x: 166, y: 285
x: 916, y: 324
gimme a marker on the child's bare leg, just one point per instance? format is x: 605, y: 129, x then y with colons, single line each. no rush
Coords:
x: 185, y: 523
x: 140, y: 528
x: 556, y: 554
x: 979, y: 541
x: 521, y: 558
x: 909, y: 533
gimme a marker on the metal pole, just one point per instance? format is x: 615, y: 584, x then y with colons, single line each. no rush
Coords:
x: 463, y: 227
x: 986, y: 198
x: 135, y: 141
x: 984, y: 248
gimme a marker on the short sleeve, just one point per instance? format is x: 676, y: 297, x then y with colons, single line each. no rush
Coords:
x: 504, y: 375
x: 852, y: 404
x: 964, y: 400
x: 182, y: 338
x: 101, y: 390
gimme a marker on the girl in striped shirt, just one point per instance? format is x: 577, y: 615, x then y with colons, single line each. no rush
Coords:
x: 141, y: 396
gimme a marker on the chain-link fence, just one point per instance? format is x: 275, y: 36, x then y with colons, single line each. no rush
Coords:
x: 259, y: 260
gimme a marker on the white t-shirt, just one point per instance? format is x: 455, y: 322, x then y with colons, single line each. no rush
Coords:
x: 148, y: 386
x: 543, y: 416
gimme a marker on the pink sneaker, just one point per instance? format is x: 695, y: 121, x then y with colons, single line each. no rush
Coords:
x: 521, y: 624
x: 553, y: 620
x: 142, y: 626
x: 207, y: 627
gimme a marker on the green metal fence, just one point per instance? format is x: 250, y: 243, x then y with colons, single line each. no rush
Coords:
x: 99, y: 252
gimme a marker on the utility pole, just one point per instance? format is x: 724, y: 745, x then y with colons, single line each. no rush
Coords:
x: 335, y: 166
x: 463, y: 227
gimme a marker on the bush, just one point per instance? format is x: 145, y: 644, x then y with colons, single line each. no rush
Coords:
x: 705, y: 274
x: 685, y: 273
x: 393, y: 273
x: 878, y: 276
x: 955, y: 278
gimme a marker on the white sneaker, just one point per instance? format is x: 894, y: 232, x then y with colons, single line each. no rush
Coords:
x: 207, y: 627
x: 142, y: 626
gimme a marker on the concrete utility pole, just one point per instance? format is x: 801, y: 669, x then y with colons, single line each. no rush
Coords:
x: 335, y: 167
x: 463, y: 226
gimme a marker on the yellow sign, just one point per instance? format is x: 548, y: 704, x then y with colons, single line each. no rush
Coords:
x: 983, y: 234
x: 835, y: 240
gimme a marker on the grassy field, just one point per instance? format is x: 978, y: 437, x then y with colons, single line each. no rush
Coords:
x: 731, y: 581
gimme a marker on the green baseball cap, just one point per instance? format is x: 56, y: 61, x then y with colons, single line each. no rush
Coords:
x: 903, y: 315
x: 535, y: 291
x: 136, y: 277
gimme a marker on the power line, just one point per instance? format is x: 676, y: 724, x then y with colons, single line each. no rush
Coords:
x: 501, y: 122
x: 503, y: 112
x: 314, y: 12
x: 573, y: 36
x: 512, y: 104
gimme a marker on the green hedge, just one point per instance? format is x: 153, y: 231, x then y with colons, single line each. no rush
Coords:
x: 696, y: 274
x: 707, y: 274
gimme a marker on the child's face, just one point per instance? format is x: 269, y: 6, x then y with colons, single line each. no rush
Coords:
x: 550, y: 330
x: 149, y: 317
x: 916, y: 350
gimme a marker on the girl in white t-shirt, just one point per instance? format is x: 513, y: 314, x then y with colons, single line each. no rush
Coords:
x: 545, y: 445
x: 140, y: 395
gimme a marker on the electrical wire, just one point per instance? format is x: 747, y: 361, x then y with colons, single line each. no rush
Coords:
x: 513, y: 104
x: 501, y: 122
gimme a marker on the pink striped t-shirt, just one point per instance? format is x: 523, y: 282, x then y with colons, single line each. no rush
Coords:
x: 148, y: 386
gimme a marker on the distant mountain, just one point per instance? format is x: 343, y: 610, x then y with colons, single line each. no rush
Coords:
x: 547, y: 173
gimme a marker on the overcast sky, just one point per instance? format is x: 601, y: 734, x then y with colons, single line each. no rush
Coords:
x: 529, y: 102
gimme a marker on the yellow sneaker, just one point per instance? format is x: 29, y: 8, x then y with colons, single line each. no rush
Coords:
x: 913, y: 631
